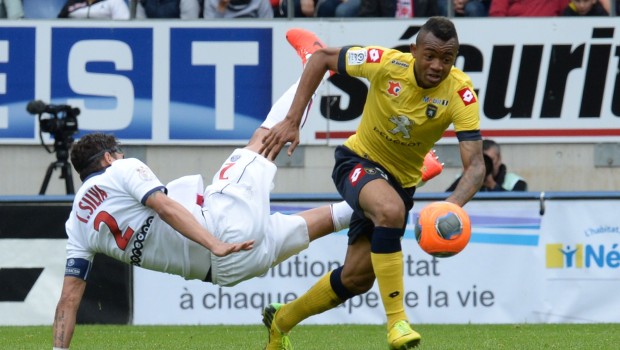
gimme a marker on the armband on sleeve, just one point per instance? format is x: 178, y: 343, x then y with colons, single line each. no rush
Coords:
x: 78, y: 267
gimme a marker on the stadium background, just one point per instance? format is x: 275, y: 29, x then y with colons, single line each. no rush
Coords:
x: 130, y: 78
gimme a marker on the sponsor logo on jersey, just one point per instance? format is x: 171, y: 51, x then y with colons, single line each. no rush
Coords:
x: 403, y: 125
x: 374, y: 55
x: 356, y: 57
x: 138, y: 243
x: 435, y: 101
x: 400, y: 63
x: 395, y: 140
x: 394, y: 88
x: 431, y: 111
x: 467, y: 96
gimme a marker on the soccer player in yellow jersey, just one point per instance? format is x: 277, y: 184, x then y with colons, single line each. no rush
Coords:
x: 413, y: 98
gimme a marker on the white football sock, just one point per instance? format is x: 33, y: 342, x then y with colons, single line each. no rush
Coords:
x: 283, y: 104
x: 341, y: 215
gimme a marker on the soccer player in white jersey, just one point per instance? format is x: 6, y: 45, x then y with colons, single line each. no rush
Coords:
x: 122, y: 210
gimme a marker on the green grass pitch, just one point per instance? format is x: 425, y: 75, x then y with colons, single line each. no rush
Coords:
x: 312, y: 337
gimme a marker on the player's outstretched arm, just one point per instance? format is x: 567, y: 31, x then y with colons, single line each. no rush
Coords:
x: 175, y: 215
x: 66, y: 311
x: 473, y: 173
x: 288, y: 129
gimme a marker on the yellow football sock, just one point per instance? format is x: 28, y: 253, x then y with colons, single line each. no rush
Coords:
x: 389, y: 271
x: 319, y: 298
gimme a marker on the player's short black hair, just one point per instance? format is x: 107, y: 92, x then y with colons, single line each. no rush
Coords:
x: 86, y: 153
x: 441, y: 27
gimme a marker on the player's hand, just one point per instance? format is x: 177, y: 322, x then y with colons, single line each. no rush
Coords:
x: 278, y: 136
x: 489, y: 182
x: 432, y: 167
x: 223, y: 248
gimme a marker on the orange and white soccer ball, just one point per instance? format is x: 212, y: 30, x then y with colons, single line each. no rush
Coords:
x: 443, y: 229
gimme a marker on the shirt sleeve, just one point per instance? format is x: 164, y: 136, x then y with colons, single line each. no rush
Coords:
x: 75, y: 247
x: 466, y: 110
x: 362, y: 62
x: 138, y: 180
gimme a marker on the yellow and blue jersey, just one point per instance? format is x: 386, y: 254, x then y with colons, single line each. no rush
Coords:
x: 402, y: 121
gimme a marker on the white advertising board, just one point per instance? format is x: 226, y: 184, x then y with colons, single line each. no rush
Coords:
x: 518, y: 268
x: 174, y: 82
x: 38, y: 305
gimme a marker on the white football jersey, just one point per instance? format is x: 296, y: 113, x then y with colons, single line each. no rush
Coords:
x: 109, y: 217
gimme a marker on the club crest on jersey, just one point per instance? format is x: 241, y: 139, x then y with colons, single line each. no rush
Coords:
x: 374, y: 55
x: 375, y: 171
x: 431, y: 111
x: 370, y: 171
x: 403, y: 125
x: 467, y: 96
x: 235, y: 158
x: 394, y: 88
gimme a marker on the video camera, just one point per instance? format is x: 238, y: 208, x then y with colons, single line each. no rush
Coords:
x: 61, y: 122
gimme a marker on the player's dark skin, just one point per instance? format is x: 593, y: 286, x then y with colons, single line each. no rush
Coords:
x: 434, y: 59
x: 379, y: 200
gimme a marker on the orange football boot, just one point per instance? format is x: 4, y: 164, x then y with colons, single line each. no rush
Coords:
x: 305, y: 43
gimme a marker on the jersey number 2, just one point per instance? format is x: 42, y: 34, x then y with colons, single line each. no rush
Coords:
x: 122, y: 239
x: 224, y: 169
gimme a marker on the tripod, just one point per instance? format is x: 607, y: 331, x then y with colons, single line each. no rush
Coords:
x: 62, y: 155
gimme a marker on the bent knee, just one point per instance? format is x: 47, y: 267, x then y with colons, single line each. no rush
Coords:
x: 390, y: 215
x: 358, y: 284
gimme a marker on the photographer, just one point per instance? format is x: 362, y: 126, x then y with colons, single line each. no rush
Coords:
x: 497, y: 177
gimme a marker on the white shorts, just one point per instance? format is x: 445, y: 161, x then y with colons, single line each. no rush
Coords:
x: 237, y: 209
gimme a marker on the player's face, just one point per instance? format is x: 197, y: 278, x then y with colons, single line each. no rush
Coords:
x: 434, y: 59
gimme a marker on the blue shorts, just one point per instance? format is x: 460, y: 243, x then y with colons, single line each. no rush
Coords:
x: 351, y: 173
